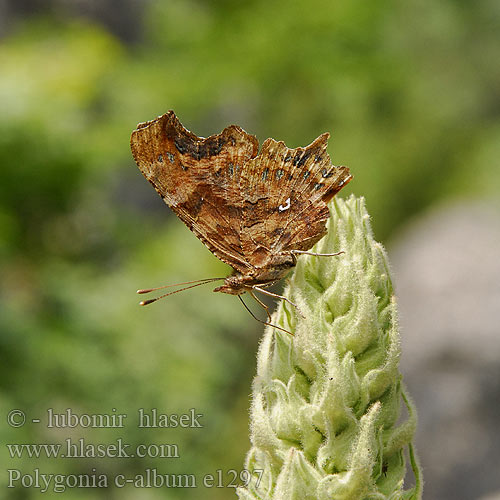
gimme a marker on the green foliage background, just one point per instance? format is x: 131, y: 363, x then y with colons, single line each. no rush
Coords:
x: 410, y: 92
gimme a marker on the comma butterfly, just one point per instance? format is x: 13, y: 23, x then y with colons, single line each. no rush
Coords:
x: 254, y: 211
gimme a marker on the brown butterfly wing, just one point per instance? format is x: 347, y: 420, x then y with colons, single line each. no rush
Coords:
x: 198, y: 178
x: 285, y: 192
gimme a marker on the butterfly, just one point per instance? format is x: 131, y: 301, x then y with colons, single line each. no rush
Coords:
x: 254, y: 211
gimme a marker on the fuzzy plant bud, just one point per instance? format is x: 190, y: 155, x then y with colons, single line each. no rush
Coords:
x: 329, y: 416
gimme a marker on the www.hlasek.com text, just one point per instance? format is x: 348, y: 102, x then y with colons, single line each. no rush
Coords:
x: 80, y: 448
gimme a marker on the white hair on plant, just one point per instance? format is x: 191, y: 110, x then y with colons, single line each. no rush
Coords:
x: 327, y: 402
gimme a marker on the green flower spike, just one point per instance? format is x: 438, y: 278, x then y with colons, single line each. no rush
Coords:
x: 326, y: 419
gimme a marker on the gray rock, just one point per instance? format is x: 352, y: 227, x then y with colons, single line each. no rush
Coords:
x: 446, y: 268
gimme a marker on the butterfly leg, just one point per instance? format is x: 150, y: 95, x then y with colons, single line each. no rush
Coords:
x: 277, y: 296
x: 261, y: 303
x: 263, y: 322
x: 302, y: 252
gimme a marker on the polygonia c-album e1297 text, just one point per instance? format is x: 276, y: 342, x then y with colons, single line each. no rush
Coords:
x: 254, y: 211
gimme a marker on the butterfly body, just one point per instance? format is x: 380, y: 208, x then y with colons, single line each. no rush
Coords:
x: 273, y: 270
x: 252, y: 210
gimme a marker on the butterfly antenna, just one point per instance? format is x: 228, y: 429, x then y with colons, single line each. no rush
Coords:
x: 196, y: 283
x: 261, y: 321
x: 206, y: 280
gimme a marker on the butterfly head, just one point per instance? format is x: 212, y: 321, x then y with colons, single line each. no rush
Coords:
x: 233, y: 285
x: 276, y: 268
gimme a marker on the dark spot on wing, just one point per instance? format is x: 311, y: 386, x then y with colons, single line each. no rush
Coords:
x: 199, y: 150
x: 303, y: 159
x: 318, y: 186
x: 230, y: 169
x: 279, y: 174
x: 296, y: 158
x: 264, y: 174
x: 181, y: 144
x: 325, y: 173
x: 182, y: 166
x: 160, y: 158
x: 306, y: 174
x: 287, y: 158
x: 170, y: 156
x: 211, y: 147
